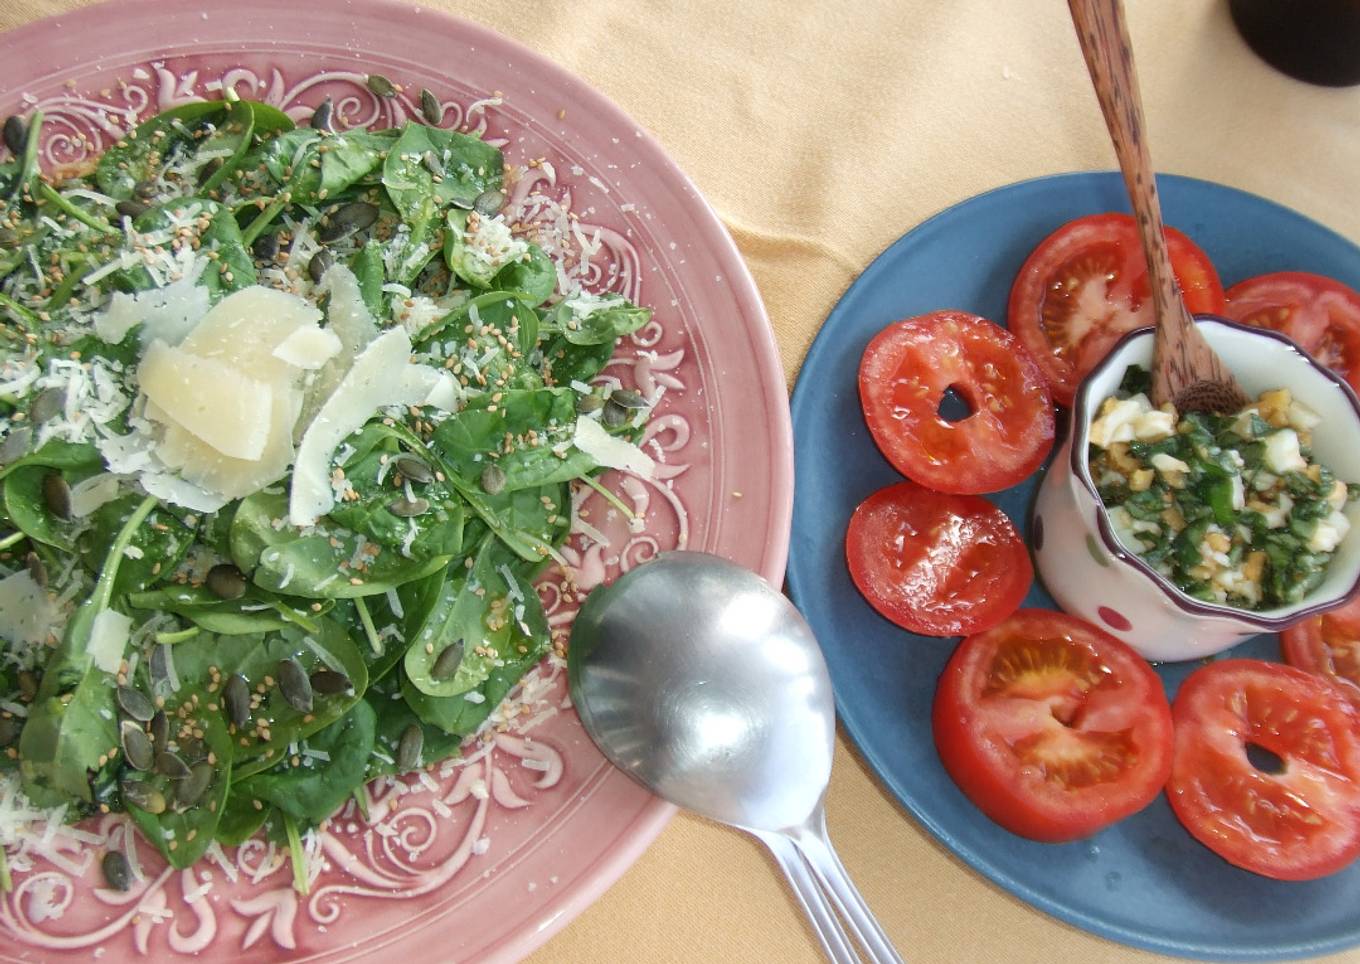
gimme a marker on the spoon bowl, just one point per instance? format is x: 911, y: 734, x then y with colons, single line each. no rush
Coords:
x: 702, y: 682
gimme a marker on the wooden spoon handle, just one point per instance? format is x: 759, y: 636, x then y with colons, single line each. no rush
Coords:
x: 1104, y: 38
x: 1184, y: 358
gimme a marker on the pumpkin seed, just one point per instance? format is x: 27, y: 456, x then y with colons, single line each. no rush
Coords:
x: 132, y: 208
x: 117, y: 872
x: 136, y: 745
x: 145, y: 190
x: 160, y: 729
x: 159, y: 671
x: 493, y: 479
x: 16, y: 134
x: 171, y: 765
x: 432, y: 163
x: 321, y: 263
x: 47, y: 405
x: 190, y: 790
x: 413, y: 468
x: 462, y: 203
x: 629, y: 399
x: 28, y: 685
x: 408, y: 508
x: 10, y: 728
x: 143, y: 795
x: 430, y: 108
x: 410, y: 747
x: 381, y: 86
x: 615, y: 415
x: 57, y: 495
x: 328, y: 682
x: 15, y: 445
x: 37, y: 571
x: 295, y: 686
x: 236, y: 697
x: 225, y: 581
x: 135, y: 704
x: 346, y: 220
x: 448, y: 661
x: 266, y: 247
x: 589, y: 403
x: 489, y: 203
x: 321, y: 117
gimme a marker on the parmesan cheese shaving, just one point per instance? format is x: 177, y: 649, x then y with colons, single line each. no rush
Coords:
x: 308, y: 348
x: 366, y: 387
x: 615, y: 453
x: 209, y: 398
x: 108, y: 639
x: 26, y: 614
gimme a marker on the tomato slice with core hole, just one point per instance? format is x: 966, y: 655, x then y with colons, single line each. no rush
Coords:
x: 1321, y: 315
x: 904, y: 377
x: 936, y: 563
x: 1052, y: 727
x: 1267, y: 768
x: 1328, y: 645
x: 1086, y: 285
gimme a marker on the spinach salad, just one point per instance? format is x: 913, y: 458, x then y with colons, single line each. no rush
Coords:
x: 290, y: 420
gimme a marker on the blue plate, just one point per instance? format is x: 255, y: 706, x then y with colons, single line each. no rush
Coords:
x: 1144, y: 881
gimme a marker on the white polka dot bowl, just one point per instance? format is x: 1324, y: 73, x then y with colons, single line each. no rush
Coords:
x: 1092, y: 574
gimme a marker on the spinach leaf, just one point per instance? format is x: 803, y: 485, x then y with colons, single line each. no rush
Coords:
x: 183, y: 831
x: 255, y: 612
x: 316, y: 565
x: 295, y: 160
x: 57, y: 454
x: 437, y: 531
x: 144, y: 154
x: 28, y: 511
x: 157, y: 545
x: 457, y: 715
x: 216, y: 231
x: 488, y: 619
x: 393, y: 719
x: 533, y: 279
x: 274, y: 722
x: 467, y: 166
x: 475, y: 437
x: 311, y: 789
x: 565, y: 362
x: 241, y: 819
x: 228, y: 144
x: 71, y: 723
x: 603, y: 323
x: 369, y: 271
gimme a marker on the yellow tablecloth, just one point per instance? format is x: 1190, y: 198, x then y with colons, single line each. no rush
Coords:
x: 821, y: 132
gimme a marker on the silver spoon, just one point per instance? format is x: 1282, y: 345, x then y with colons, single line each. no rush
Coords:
x: 703, y: 683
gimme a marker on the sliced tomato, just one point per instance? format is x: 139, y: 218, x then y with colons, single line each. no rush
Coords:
x: 1328, y: 645
x: 1320, y: 314
x: 1296, y: 820
x: 904, y: 375
x: 1052, y: 727
x: 1086, y: 285
x: 935, y: 563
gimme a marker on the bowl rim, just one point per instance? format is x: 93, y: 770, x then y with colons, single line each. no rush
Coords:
x: 1272, y: 620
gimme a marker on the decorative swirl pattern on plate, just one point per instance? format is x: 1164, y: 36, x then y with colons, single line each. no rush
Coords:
x: 426, y: 832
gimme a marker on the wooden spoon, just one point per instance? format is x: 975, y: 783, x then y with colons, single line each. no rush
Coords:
x: 1185, y: 371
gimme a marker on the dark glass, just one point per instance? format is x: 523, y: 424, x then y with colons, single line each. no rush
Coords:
x: 1317, y: 41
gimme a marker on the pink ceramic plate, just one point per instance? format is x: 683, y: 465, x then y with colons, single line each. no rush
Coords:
x: 488, y: 857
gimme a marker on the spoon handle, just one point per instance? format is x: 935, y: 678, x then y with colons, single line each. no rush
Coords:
x: 835, y: 942
x: 814, y: 843
x: 1184, y: 358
